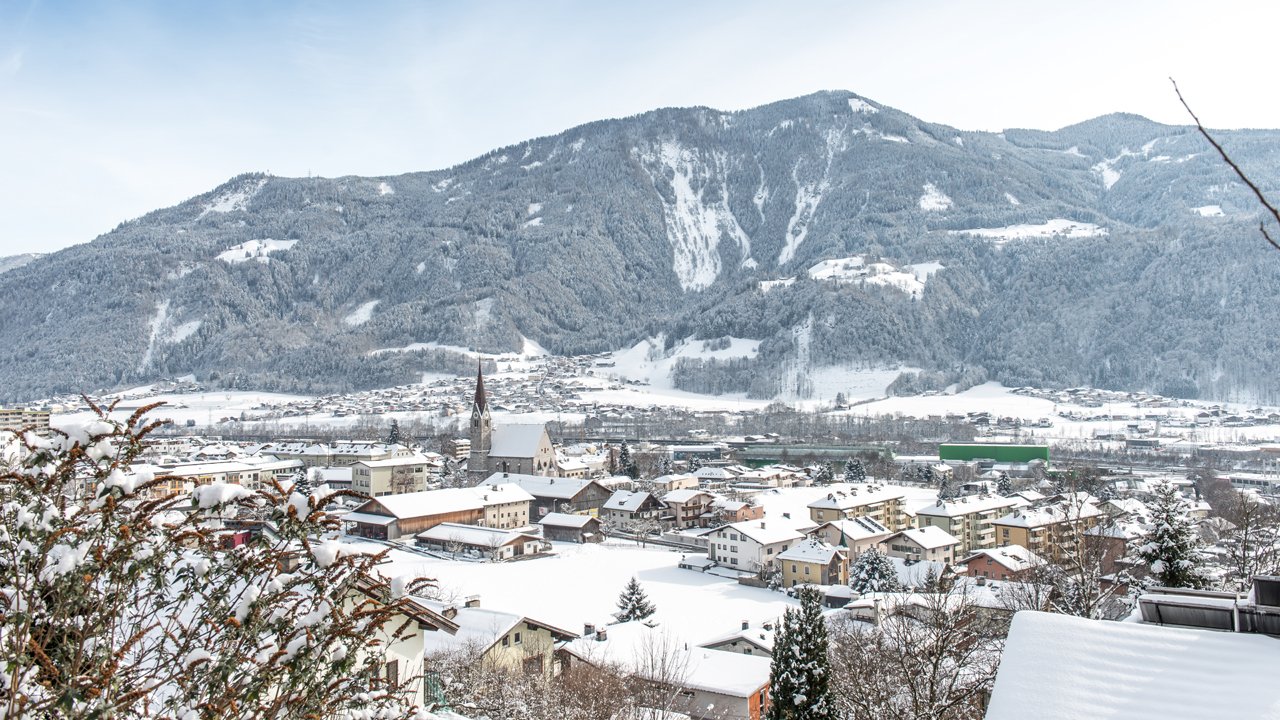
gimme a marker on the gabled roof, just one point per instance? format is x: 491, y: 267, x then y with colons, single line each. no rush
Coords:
x: 436, y: 502
x: 968, y: 504
x: 860, y: 528
x: 851, y: 496
x: 684, y: 495
x: 557, y: 488
x: 567, y: 520
x: 763, y: 531
x: 474, y: 535
x: 929, y: 537
x: 1060, y: 667
x: 811, y: 551
x: 516, y: 441
x: 479, y: 628
x: 626, y: 500
x: 1013, y: 558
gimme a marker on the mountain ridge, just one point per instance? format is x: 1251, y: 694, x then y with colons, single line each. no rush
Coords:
x: 688, y: 222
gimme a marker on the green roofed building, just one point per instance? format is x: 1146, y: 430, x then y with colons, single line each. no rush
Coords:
x: 999, y: 452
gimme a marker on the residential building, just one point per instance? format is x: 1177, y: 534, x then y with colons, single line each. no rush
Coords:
x: 626, y: 508
x: 667, y: 483
x: 846, y: 502
x: 555, y: 494
x: 746, y: 641
x: 928, y: 543
x: 253, y: 472
x: 491, y: 543
x: 561, y: 527
x: 814, y: 562
x: 398, y: 474
x: 1051, y: 531
x: 400, y: 658
x: 750, y: 546
x: 393, y: 516
x: 858, y: 535
x: 1010, y: 562
x: 688, y: 508
x: 511, y: 642
x: 24, y: 418
x: 969, y: 518
x: 732, y: 511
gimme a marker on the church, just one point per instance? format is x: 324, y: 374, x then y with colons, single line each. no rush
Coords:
x: 522, y: 449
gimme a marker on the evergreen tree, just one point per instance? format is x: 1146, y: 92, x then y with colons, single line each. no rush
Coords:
x: 873, y: 571
x: 799, y: 675
x: 1170, y: 546
x: 633, y: 604
x: 393, y: 435
x: 854, y: 472
x: 625, y: 464
x: 823, y: 475
x: 1004, y: 486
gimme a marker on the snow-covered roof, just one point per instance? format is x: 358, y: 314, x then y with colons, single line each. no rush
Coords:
x: 626, y: 501
x: 860, y: 528
x: 856, y: 496
x: 812, y: 551
x: 756, y: 636
x: 645, y: 650
x: 684, y: 495
x: 1014, y: 558
x: 762, y: 531
x: 473, y: 535
x: 566, y: 520
x: 713, y: 473
x: 966, y: 505
x: 1047, y: 515
x: 1060, y: 667
x: 517, y: 441
x: 398, y: 461
x: 930, y: 537
x: 542, y: 487
x: 435, y: 502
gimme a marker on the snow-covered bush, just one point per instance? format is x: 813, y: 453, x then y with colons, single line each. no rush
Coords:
x: 121, y: 601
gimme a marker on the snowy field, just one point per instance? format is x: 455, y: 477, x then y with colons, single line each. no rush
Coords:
x: 580, y: 584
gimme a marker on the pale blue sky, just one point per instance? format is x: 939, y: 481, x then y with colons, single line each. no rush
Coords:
x: 110, y: 109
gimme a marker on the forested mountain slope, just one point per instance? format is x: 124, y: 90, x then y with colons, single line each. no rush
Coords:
x: 1118, y: 253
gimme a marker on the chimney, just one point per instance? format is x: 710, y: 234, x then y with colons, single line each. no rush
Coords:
x: 786, y: 515
x: 981, y: 581
x: 601, y: 635
x: 768, y: 626
x: 588, y: 629
x: 746, y: 625
x: 762, y: 525
x: 504, y: 474
x: 472, y: 601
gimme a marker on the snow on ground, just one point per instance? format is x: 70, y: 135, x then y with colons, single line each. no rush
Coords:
x: 856, y: 383
x: 533, y: 223
x: 580, y: 584
x: 856, y: 269
x: 254, y: 250
x: 1209, y: 211
x: 534, y: 209
x: 1012, y: 200
x: 1057, y: 227
x: 858, y: 105
x: 385, y: 189
x: 180, y: 407
x: 361, y: 315
x: 233, y: 200
x: 695, y: 226
x: 157, y: 324
x: 648, y: 362
x: 808, y: 195
x: 923, y: 271
x: 767, y: 285
x: 178, y: 333
x: 933, y: 199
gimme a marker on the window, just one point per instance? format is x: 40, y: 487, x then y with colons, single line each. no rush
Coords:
x: 769, y: 551
x: 793, y: 567
x: 517, y: 639
x: 806, y: 569
x: 506, y: 640
x: 393, y: 673
x: 733, y: 561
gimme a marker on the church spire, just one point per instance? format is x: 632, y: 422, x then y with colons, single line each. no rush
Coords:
x: 481, y: 402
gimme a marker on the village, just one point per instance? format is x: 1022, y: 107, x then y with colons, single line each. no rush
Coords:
x: 538, y: 551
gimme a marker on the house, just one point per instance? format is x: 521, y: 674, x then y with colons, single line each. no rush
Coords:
x: 858, y: 535
x: 491, y: 543
x: 667, y: 483
x: 628, y: 509
x: 1009, y: 562
x: 846, y: 502
x: 553, y: 494
x: 732, y: 511
x: 814, y: 562
x: 1061, y: 667
x: 1051, y: 531
x: 560, y: 527
x: 503, y: 640
x: 698, y: 682
x: 392, y: 516
x: 751, y: 546
x: 746, y: 641
x: 688, y: 507
x: 399, y: 474
x: 968, y: 518
x: 416, y: 623
x: 926, y: 543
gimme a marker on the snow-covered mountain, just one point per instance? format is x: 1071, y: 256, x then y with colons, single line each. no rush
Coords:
x: 830, y: 230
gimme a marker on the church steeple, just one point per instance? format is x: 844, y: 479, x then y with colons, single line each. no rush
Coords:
x: 481, y: 429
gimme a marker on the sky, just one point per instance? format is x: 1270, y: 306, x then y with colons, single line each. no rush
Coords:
x: 114, y: 108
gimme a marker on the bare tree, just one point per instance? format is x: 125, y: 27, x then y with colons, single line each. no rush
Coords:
x: 1253, y: 540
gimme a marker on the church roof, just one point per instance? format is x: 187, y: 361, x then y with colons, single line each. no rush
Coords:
x: 516, y: 441
x: 481, y: 401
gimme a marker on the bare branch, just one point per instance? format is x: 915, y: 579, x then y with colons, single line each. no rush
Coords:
x: 1262, y: 226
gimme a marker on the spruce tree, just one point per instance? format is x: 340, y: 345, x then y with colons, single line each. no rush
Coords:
x: 1170, y: 546
x: 854, y: 472
x: 823, y: 475
x: 799, y: 675
x: 393, y: 435
x: 1004, y: 486
x: 633, y: 604
x: 624, y: 459
x: 873, y: 571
